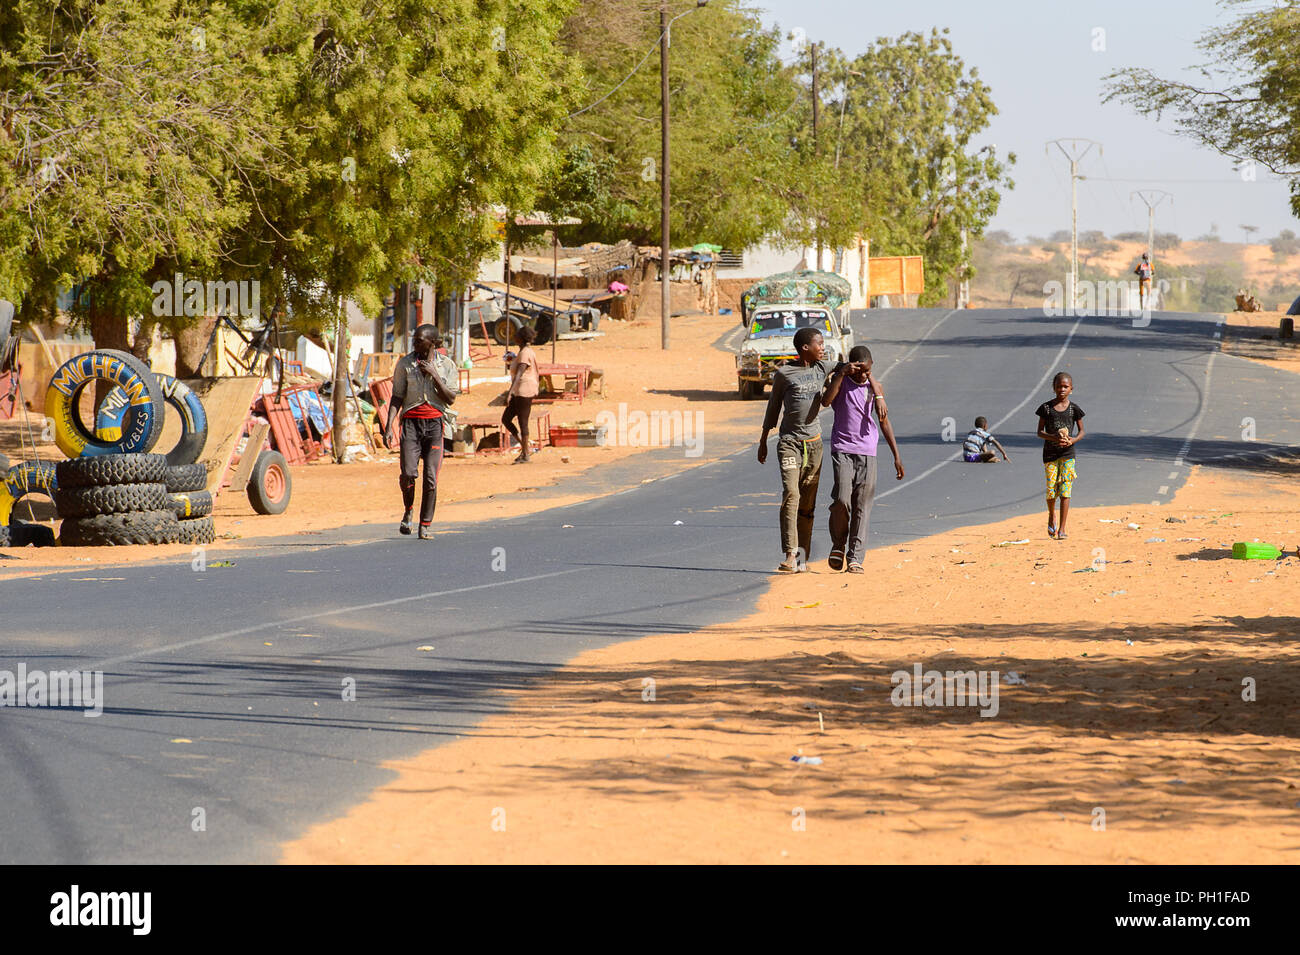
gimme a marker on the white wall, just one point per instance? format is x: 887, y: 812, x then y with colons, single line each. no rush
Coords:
x: 317, y: 359
x: 768, y: 259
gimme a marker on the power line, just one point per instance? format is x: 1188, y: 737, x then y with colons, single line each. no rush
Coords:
x: 654, y: 47
x: 650, y: 51
x: 1165, y: 179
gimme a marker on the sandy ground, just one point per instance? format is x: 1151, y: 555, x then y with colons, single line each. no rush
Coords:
x: 1128, y: 741
x: 692, y: 378
x: 1253, y: 335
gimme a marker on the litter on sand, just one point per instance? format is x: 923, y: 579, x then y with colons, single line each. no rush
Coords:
x: 1252, y: 550
x: 1155, y: 540
x: 426, y: 648
x: 675, y: 523
x: 816, y: 603
x: 1106, y: 520
x: 1011, y: 543
x: 1116, y: 593
x: 1012, y: 678
x: 1134, y: 527
x: 1088, y: 570
x: 807, y: 760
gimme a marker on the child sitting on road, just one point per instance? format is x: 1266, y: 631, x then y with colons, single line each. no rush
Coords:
x: 975, y: 447
x: 854, y: 437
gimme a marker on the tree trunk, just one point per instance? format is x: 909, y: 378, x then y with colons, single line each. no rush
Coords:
x: 341, y: 384
x: 109, y: 330
x: 190, y: 343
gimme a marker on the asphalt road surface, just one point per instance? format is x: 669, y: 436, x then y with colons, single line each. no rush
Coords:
x: 248, y: 665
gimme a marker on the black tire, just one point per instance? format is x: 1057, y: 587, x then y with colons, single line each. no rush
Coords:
x: 143, y: 422
x: 190, y: 505
x: 270, y: 486
x: 749, y: 389
x: 110, y: 499
x: 23, y: 533
x: 186, y: 477
x: 544, y: 326
x: 111, y: 530
x: 198, y: 531
x: 103, y: 469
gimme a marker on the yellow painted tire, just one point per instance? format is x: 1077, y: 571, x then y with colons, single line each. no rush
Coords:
x: 21, y: 480
x: 144, y: 416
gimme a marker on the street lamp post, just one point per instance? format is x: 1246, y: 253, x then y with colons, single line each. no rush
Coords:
x: 665, y: 191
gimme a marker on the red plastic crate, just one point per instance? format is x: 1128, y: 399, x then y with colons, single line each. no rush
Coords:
x: 564, y: 437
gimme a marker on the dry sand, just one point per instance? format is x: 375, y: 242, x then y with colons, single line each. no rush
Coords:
x: 693, y: 377
x: 1132, y: 705
x: 1254, y: 335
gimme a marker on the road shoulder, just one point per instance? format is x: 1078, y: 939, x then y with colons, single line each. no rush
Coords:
x: 1129, y: 740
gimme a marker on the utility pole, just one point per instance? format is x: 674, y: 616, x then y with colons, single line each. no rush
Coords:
x: 1074, y: 154
x: 816, y: 104
x: 665, y: 262
x: 963, y: 287
x: 1152, y: 198
x: 665, y: 193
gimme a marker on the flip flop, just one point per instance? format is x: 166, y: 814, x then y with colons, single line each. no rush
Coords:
x: 1061, y: 535
x: 1051, y: 530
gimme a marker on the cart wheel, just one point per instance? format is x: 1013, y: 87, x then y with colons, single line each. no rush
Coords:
x: 269, y: 486
x: 543, y: 329
x: 505, y: 330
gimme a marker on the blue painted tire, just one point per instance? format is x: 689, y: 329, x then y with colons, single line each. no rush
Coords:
x: 23, y: 479
x: 111, y: 417
x: 142, y: 423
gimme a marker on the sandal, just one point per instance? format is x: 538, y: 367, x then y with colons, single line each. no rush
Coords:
x: 1061, y: 535
x: 836, y: 560
x: 1051, y: 530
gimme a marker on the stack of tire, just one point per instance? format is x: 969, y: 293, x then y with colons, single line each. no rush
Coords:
x: 112, y: 490
x: 112, y: 499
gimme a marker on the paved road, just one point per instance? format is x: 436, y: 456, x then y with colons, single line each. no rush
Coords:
x: 248, y: 663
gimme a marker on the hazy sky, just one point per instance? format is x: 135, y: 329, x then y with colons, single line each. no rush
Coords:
x: 1038, y: 58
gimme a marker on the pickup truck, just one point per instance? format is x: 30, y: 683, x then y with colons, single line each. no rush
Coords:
x: 769, y: 341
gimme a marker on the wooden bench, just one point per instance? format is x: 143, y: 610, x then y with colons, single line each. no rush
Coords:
x: 539, y: 432
x: 579, y: 373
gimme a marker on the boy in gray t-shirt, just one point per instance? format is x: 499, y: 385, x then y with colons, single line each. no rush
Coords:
x: 796, y: 399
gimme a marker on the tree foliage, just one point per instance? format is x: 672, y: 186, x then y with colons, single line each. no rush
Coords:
x: 731, y: 104
x: 1246, y: 104
x: 914, y: 177
x: 324, y: 148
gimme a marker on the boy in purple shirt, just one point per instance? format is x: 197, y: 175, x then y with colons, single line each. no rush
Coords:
x: 853, y: 454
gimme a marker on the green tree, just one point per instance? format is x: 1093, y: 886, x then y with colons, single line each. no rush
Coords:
x: 912, y: 112
x: 130, y: 131
x: 1247, y: 106
x: 732, y: 114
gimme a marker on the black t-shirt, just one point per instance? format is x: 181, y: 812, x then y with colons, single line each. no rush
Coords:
x: 1059, y: 419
